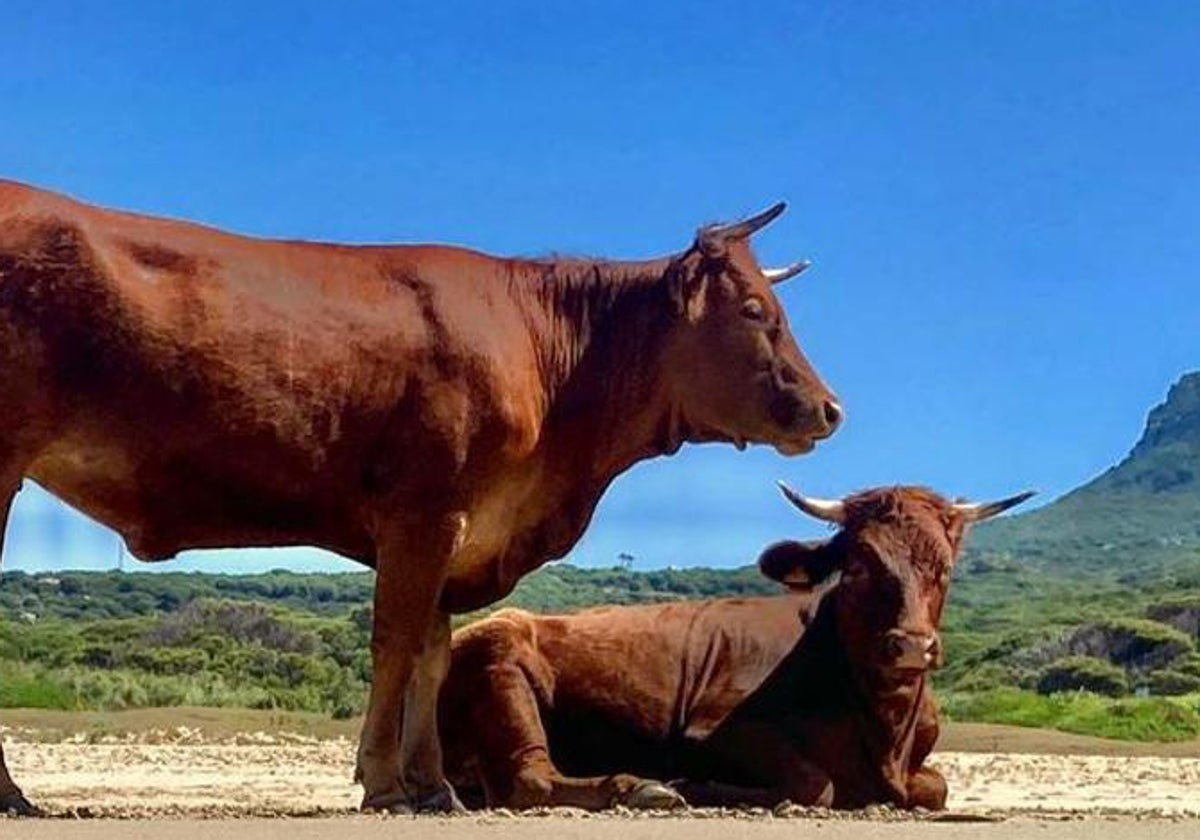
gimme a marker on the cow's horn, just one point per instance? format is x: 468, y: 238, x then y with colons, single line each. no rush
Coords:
x: 744, y: 228
x: 822, y: 509
x: 979, y: 512
x: 778, y: 275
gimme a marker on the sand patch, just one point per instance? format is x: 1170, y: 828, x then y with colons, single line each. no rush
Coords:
x: 182, y: 772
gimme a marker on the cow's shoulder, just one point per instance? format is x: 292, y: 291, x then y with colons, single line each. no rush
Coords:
x: 505, y: 642
x: 497, y: 634
x: 44, y: 229
x: 15, y: 196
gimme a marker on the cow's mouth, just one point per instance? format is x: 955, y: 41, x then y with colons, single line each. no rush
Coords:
x: 900, y: 675
x: 910, y: 668
x: 793, y: 447
x: 799, y: 426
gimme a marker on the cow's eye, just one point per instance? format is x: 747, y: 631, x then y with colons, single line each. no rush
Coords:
x: 753, y: 309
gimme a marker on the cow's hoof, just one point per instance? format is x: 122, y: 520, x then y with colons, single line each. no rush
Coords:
x: 16, y: 805
x: 653, y: 796
x: 443, y: 801
x: 394, y: 802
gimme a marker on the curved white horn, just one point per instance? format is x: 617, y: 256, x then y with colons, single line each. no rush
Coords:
x: 822, y: 509
x: 986, y: 510
x: 778, y: 275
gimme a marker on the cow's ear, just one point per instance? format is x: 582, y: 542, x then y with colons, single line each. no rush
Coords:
x: 687, y: 282
x: 800, y: 565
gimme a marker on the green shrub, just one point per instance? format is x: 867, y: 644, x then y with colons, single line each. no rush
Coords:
x: 1170, y: 683
x: 1191, y: 665
x: 169, y: 661
x: 1139, y: 642
x: 983, y: 677
x: 1083, y: 673
x: 247, y: 623
x: 132, y: 689
x: 22, y: 687
x: 1181, y: 612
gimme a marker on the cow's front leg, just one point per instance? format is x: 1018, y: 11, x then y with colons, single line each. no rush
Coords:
x: 411, y: 567
x: 927, y: 789
x: 421, y: 773
x: 926, y: 786
x: 808, y: 786
x: 761, y: 767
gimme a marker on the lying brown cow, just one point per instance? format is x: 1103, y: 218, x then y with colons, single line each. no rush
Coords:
x: 819, y: 696
x: 444, y: 416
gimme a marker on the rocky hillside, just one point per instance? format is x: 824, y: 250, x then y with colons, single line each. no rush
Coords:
x: 1146, y: 508
x: 1100, y: 589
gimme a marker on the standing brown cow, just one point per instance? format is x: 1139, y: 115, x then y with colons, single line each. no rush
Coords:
x: 444, y: 416
x: 820, y: 696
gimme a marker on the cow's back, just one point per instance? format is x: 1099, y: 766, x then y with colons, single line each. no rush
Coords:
x: 621, y: 689
x: 166, y: 366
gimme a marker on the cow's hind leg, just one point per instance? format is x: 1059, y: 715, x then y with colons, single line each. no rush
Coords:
x: 12, y: 801
x: 514, y: 755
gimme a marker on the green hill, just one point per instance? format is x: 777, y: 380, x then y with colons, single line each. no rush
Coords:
x: 1142, y: 515
x: 1113, y: 547
x: 1098, y: 591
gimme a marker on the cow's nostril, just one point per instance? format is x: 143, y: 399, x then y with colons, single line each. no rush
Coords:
x: 833, y: 414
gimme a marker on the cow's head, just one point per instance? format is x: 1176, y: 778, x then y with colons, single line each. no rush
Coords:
x: 888, y: 568
x: 735, y: 369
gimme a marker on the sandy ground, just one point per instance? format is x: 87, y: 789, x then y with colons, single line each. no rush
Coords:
x: 560, y: 828
x: 186, y: 772
x: 563, y: 828
x: 210, y: 775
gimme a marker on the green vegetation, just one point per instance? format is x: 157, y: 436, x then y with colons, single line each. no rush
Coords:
x: 1135, y: 526
x: 300, y: 642
x: 1172, y: 683
x: 86, y: 640
x: 205, y: 653
x: 98, y: 595
x: 1082, y: 713
x: 1083, y: 673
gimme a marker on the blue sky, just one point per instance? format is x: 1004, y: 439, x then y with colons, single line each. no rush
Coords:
x: 1001, y: 199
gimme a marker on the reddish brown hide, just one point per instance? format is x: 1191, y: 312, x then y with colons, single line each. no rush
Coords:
x: 447, y: 417
x: 814, y: 696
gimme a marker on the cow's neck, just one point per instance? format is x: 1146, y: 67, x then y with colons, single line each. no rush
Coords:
x: 890, y: 731
x: 601, y: 330
x: 887, y: 711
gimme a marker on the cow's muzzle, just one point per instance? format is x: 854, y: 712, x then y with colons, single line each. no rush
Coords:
x: 909, y: 651
x: 803, y: 420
